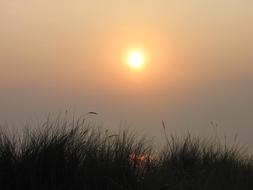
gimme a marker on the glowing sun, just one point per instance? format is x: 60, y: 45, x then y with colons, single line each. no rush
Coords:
x: 136, y: 59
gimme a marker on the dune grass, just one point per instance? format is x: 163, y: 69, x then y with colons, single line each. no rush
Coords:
x: 66, y: 155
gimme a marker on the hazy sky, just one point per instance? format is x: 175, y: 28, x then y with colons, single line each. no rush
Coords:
x: 57, y: 55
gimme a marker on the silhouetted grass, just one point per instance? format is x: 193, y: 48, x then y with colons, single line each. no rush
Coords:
x: 61, y: 154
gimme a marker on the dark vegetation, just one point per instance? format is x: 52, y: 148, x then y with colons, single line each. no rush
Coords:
x: 74, y: 155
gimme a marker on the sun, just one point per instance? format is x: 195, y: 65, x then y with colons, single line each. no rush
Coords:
x: 136, y: 59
